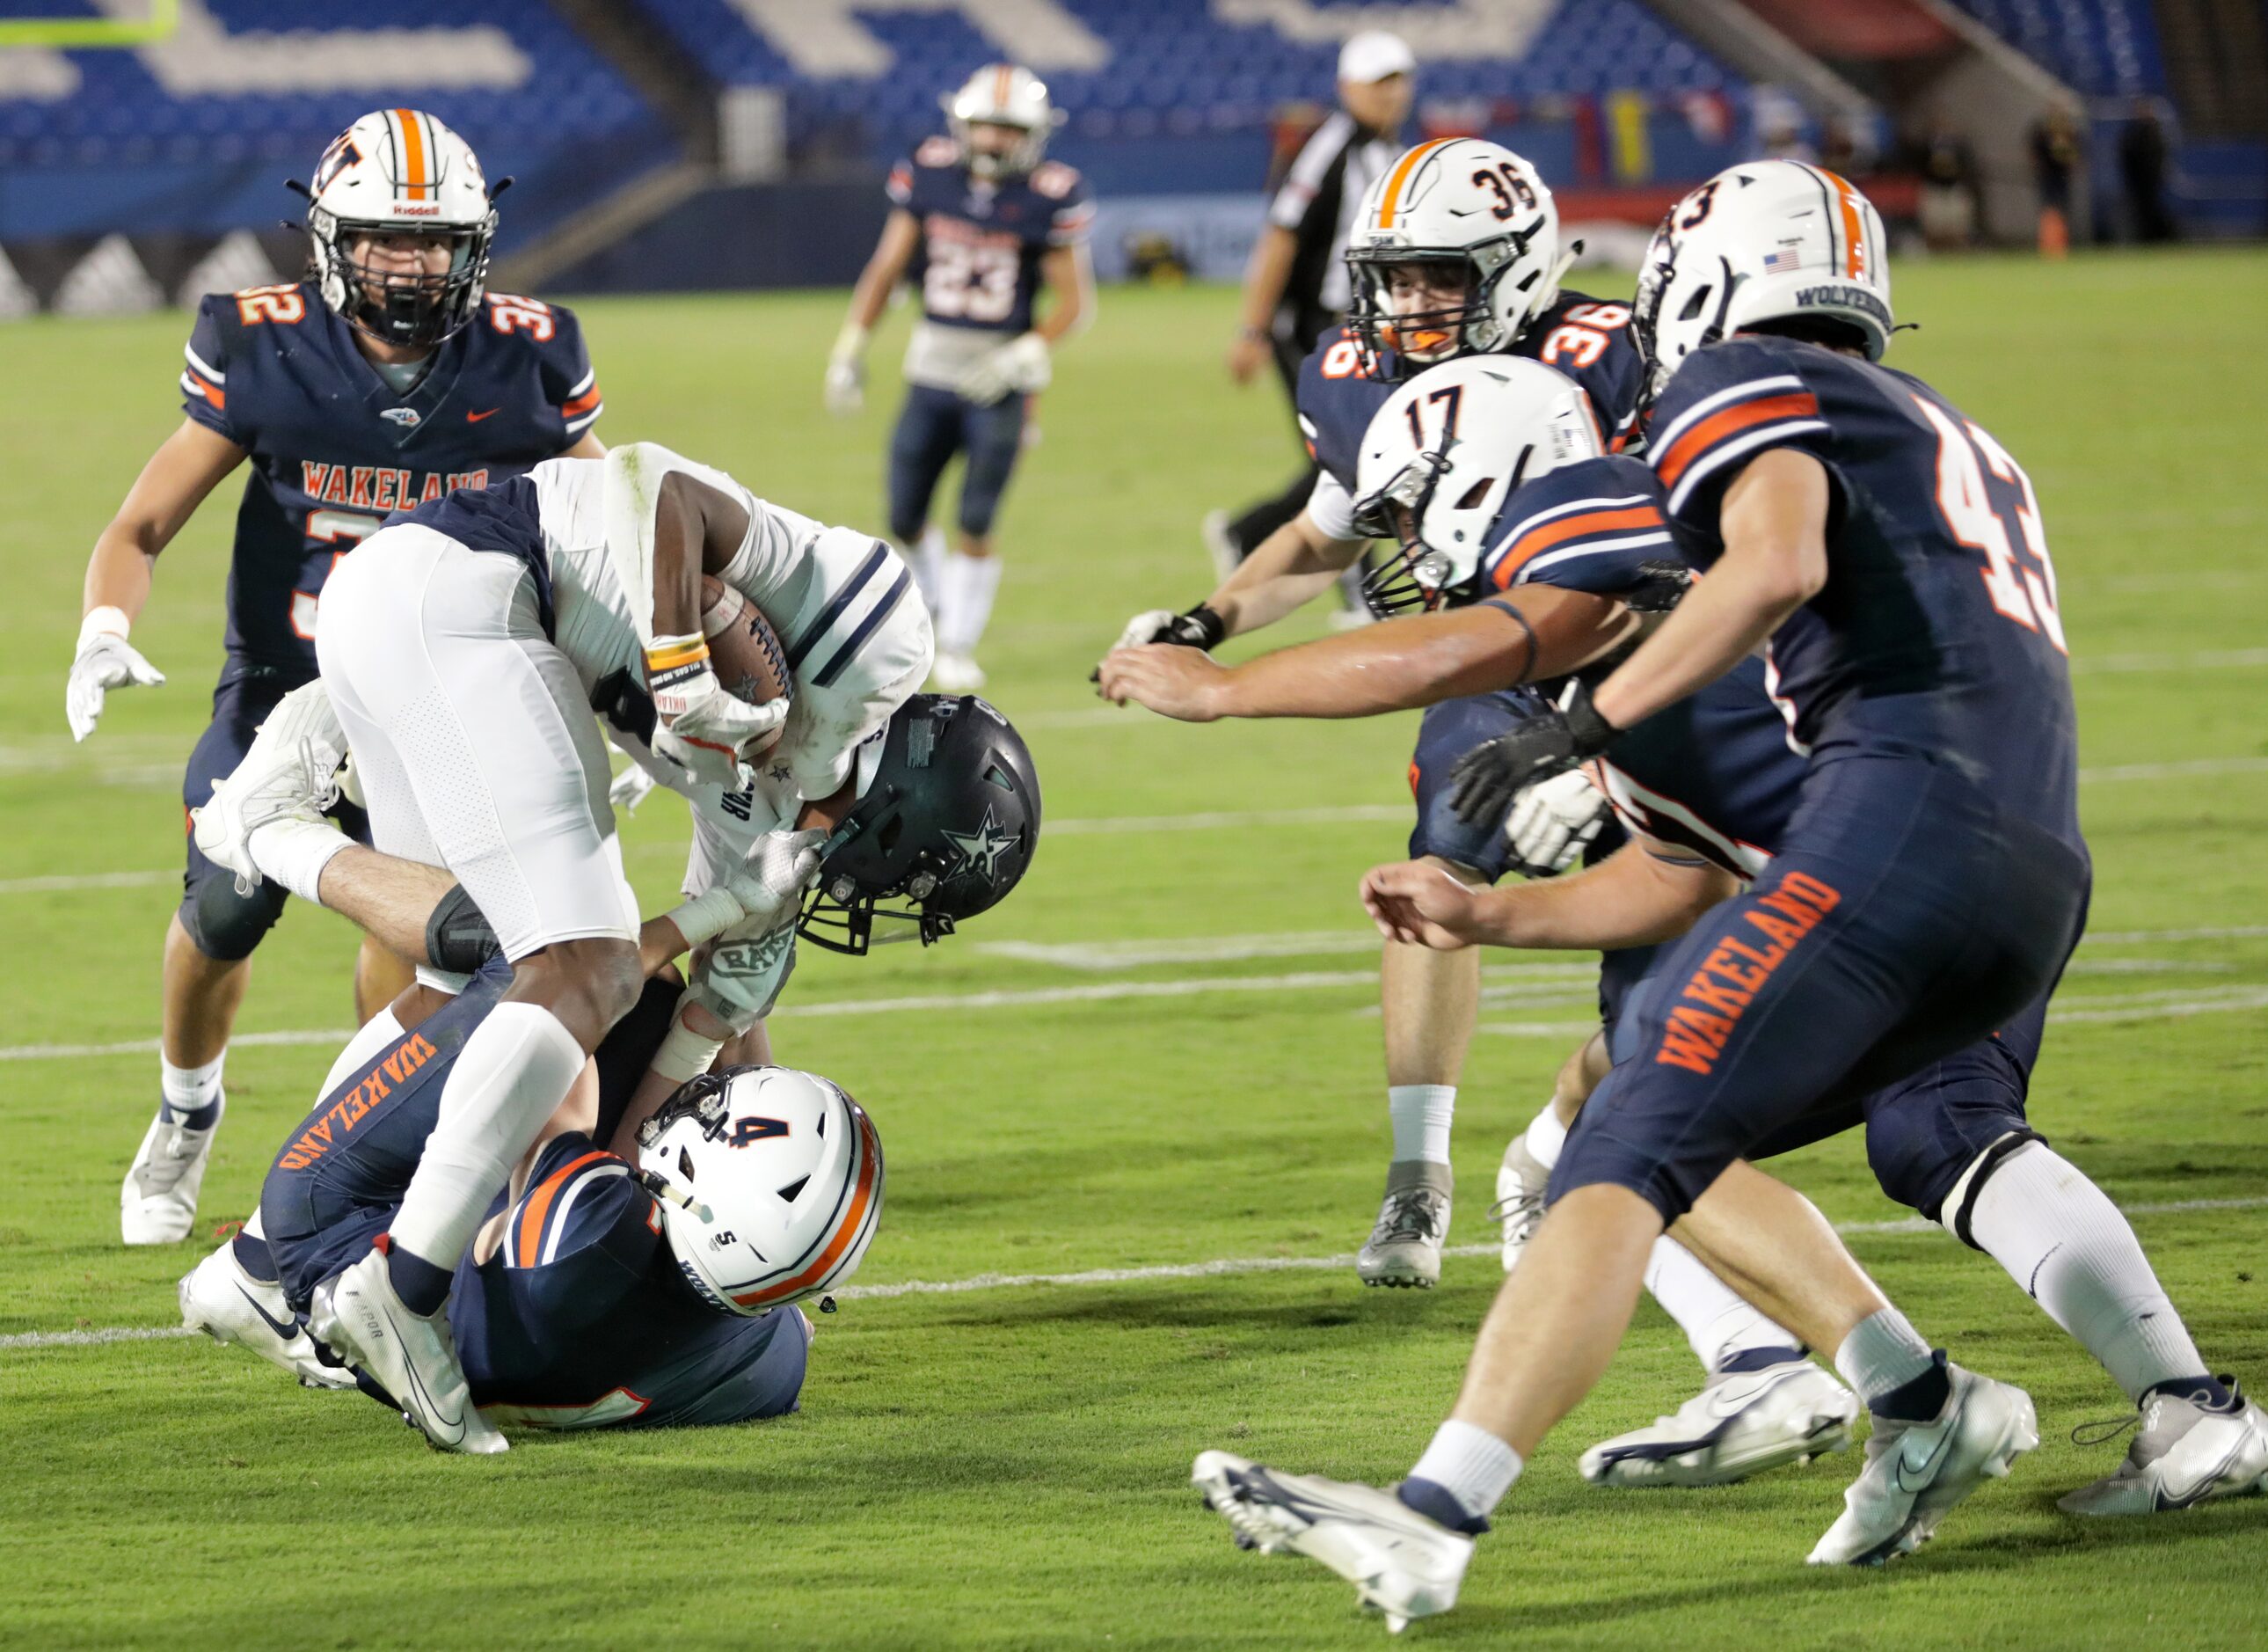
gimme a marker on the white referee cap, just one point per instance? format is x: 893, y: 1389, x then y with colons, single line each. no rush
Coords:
x: 1373, y: 54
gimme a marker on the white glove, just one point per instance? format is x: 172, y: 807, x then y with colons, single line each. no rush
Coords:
x: 1553, y: 821
x: 1020, y: 364
x: 629, y: 789
x: 105, y: 660
x: 845, y: 390
x: 770, y: 883
x: 1145, y: 626
x: 741, y: 979
x: 713, y: 735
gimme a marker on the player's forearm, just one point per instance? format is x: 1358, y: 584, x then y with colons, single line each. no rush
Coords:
x: 883, y: 271
x: 1286, y: 570
x: 1397, y: 666
x: 391, y: 899
x: 1265, y: 275
x: 1070, y: 277
x: 121, y: 571
x: 1632, y: 898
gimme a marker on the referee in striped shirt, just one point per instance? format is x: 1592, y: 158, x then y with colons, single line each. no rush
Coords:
x: 1296, y: 283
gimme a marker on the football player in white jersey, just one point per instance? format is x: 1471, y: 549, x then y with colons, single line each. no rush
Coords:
x: 463, y: 646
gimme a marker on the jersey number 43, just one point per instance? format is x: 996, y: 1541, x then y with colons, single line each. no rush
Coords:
x: 2022, y: 588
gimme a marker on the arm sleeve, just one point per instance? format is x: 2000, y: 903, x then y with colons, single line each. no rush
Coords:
x: 205, y: 379
x: 1727, y: 405
x: 571, y: 383
x: 1586, y: 526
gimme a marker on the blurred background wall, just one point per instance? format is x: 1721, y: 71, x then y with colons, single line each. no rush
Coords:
x: 676, y: 144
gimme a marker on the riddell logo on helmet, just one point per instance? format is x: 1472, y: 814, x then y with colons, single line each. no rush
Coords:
x: 403, y: 209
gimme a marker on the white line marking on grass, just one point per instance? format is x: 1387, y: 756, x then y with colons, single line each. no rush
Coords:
x: 2203, y: 660
x: 2159, y: 1005
x: 1107, y: 825
x: 335, y: 1036
x: 63, y: 883
x: 1223, y: 1267
x: 2175, y: 770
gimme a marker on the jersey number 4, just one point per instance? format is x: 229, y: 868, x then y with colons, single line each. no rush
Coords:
x: 2024, y: 589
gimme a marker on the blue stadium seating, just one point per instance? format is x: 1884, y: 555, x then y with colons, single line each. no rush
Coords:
x: 2102, y: 48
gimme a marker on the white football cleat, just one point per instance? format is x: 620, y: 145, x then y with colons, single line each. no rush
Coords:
x: 1405, y: 1247
x: 956, y: 674
x: 220, y: 1299
x: 1401, y: 1563
x: 287, y: 773
x: 1744, y: 1423
x: 1916, y: 1471
x: 157, y: 1204
x: 1520, y: 1181
x: 362, y: 1319
x: 2182, y: 1454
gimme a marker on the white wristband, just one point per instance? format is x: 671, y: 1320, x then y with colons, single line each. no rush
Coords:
x: 850, y: 342
x: 705, y: 917
x: 684, y: 1054
x: 294, y: 852
x: 104, y: 621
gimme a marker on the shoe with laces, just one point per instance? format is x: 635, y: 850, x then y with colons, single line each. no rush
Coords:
x: 1742, y: 1424
x: 158, y: 1203
x: 360, y: 1317
x: 1405, y: 1248
x: 1917, y: 1472
x: 1520, y: 1181
x: 2184, y: 1452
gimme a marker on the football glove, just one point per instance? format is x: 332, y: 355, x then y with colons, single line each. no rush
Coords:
x: 1661, y: 586
x: 741, y: 979
x: 1553, y: 821
x: 844, y: 392
x: 1489, y: 777
x: 105, y: 660
x: 629, y: 789
x: 711, y: 734
x: 1019, y: 366
x: 1199, y: 628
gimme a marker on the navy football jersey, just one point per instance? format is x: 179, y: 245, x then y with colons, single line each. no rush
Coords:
x: 1590, y: 526
x: 583, y: 1319
x: 982, y: 239
x: 334, y: 450
x: 1937, y: 634
x: 1586, y: 340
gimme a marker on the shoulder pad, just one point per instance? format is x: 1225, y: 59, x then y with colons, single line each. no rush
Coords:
x: 937, y: 152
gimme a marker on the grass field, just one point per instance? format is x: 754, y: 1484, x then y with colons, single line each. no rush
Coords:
x: 1190, y: 1075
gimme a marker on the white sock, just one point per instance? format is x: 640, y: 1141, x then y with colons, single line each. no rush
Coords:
x: 252, y: 1226
x: 965, y: 594
x: 510, y: 1076
x: 928, y: 559
x: 189, y: 1091
x: 1546, y: 1136
x: 1420, y: 1114
x: 1717, y: 1323
x: 1471, y: 1465
x: 1882, y: 1353
x: 2062, y: 1239
x: 294, y: 852
x: 373, y: 1036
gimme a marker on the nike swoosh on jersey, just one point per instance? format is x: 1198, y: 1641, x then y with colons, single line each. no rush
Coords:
x: 284, y: 1328
x: 474, y: 419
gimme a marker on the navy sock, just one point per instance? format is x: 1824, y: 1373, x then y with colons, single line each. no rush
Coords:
x: 1921, y: 1399
x: 2210, y: 1393
x: 1440, y: 1505
x: 422, y: 1287
x: 254, y: 1256
x: 1758, y: 1360
x: 195, y: 1118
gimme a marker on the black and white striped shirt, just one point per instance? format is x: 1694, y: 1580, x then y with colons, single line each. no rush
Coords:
x: 1317, y: 201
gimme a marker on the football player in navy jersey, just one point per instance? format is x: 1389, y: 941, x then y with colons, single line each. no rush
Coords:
x: 981, y: 222
x: 389, y: 376
x: 1455, y: 252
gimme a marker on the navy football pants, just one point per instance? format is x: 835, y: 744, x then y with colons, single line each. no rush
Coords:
x: 934, y: 425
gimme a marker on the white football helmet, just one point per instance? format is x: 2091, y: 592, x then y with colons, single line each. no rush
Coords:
x: 1770, y: 240
x: 1459, y: 201
x: 400, y: 171
x: 769, y: 1183
x: 1441, y: 458
x: 1003, y: 94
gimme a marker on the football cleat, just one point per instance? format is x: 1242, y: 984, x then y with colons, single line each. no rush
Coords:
x: 956, y: 674
x: 358, y: 1315
x: 157, y: 1204
x: 1744, y: 1423
x: 1405, y: 1248
x: 287, y: 773
x: 1401, y: 1563
x: 220, y: 1299
x: 2183, y: 1454
x: 1520, y: 1181
x: 1916, y: 1471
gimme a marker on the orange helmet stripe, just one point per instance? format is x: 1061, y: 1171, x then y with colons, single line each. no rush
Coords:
x: 1854, y: 226
x: 1004, y: 81
x: 413, y: 155
x: 862, y: 1195
x: 1390, y: 202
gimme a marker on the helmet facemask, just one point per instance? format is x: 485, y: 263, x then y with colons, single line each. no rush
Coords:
x: 1472, y: 326
x: 1419, y: 577
x: 412, y: 310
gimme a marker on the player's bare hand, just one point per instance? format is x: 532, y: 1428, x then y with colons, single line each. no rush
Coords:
x: 1185, y: 684
x: 1247, y: 357
x: 1421, y: 904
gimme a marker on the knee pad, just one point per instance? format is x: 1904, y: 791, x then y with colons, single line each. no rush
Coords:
x: 1960, y: 1201
x: 226, y: 926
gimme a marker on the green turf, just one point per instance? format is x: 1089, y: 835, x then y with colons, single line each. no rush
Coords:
x: 1008, y: 1467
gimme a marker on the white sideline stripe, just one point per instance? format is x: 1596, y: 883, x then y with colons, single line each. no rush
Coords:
x: 2203, y: 660
x: 2137, y: 1007
x: 1220, y: 1268
x: 61, y: 881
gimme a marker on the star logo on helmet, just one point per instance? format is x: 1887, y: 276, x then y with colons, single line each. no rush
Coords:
x: 980, y: 851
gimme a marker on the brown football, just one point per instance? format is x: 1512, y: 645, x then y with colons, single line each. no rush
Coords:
x: 744, y: 649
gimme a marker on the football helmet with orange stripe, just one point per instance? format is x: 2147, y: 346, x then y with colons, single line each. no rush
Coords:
x: 1003, y: 95
x: 770, y: 1184
x: 1768, y: 241
x: 402, y: 219
x: 1441, y: 458
x: 1455, y: 247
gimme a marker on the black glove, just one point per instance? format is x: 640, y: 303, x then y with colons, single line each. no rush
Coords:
x: 1661, y: 585
x: 1489, y: 777
x: 1199, y: 628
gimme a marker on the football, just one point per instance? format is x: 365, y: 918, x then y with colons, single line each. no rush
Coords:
x: 744, y: 649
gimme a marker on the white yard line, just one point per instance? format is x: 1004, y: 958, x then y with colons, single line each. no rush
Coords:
x: 2202, y: 659
x: 1223, y: 1267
